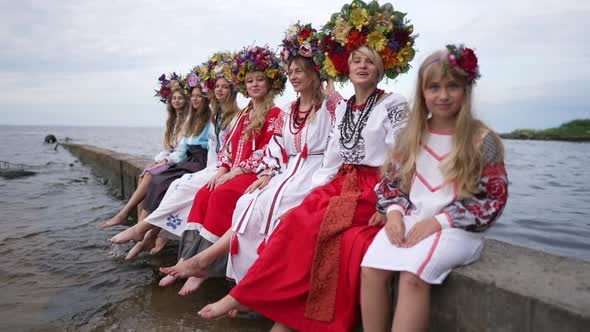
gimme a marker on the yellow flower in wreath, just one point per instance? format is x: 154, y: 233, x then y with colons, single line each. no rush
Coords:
x: 341, y: 30
x: 403, y: 56
x: 376, y: 40
x: 272, y: 73
x: 329, y: 66
x: 359, y: 17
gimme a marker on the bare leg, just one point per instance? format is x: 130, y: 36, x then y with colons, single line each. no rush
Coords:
x: 197, y: 265
x: 135, y: 233
x: 221, y: 307
x: 413, y: 304
x: 375, y: 300
x: 135, y: 199
x: 278, y: 327
x: 159, y: 245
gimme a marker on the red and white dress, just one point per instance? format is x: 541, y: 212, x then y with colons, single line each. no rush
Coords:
x: 211, y: 213
x: 308, y: 275
x: 463, y: 221
x: 292, y: 156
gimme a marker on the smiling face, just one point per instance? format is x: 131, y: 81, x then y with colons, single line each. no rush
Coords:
x: 363, y: 71
x: 444, y: 95
x: 222, y: 89
x: 257, y: 84
x: 196, y: 98
x: 177, y: 101
x: 300, y: 79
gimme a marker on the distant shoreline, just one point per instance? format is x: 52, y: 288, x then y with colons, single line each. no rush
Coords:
x: 544, y: 138
x: 573, y: 131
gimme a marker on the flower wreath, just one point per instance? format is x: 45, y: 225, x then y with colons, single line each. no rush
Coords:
x: 221, y: 64
x: 302, y: 40
x: 464, y: 58
x: 261, y: 59
x: 168, y: 85
x: 381, y: 28
x: 194, y: 79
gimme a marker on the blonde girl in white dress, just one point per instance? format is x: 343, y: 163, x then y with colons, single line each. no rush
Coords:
x: 444, y: 186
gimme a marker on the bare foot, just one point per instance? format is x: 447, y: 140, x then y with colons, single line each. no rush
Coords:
x: 191, y: 285
x: 137, y: 248
x: 116, y: 220
x: 130, y: 234
x: 190, y: 268
x: 222, y: 307
x: 167, y: 281
x: 160, y: 244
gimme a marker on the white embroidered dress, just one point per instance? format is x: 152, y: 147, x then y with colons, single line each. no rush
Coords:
x: 172, y: 213
x: 461, y: 239
x: 256, y: 214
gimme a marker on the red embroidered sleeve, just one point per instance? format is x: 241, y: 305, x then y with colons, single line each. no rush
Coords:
x: 478, y: 213
x: 331, y: 103
x: 389, y: 195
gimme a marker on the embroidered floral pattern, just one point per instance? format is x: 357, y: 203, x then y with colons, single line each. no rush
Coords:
x: 397, y: 114
x: 273, y: 122
x: 173, y: 221
x: 326, y: 263
x: 478, y: 213
x: 388, y: 193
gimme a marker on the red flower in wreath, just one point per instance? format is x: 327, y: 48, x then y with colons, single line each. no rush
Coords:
x: 305, y: 33
x: 497, y: 189
x: 165, y: 92
x: 468, y: 61
x: 355, y: 40
x: 340, y: 62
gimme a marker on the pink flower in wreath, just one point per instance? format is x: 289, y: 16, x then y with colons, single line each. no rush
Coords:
x: 193, y: 80
x: 305, y: 50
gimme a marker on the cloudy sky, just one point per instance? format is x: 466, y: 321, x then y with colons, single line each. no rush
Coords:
x: 96, y: 63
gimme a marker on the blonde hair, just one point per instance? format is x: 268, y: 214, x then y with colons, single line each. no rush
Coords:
x: 373, y: 56
x: 228, y: 107
x: 259, y: 112
x: 175, y: 120
x: 197, y: 118
x: 464, y: 164
x: 309, y: 67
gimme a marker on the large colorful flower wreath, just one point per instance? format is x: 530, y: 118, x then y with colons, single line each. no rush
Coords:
x: 303, y: 40
x: 167, y: 85
x: 221, y: 64
x: 381, y: 28
x: 261, y: 59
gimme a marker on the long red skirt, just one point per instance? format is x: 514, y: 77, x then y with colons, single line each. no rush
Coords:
x: 214, y: 209
x: 278, y: 284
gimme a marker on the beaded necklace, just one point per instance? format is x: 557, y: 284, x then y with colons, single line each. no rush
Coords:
x: 350, y: 130
x: 297, y: 122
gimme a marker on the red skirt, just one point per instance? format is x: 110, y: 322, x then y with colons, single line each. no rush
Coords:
x: 308, y: 275
x: 214, y: 209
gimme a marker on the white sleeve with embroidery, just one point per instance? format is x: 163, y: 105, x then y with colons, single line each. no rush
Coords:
x: 478, y: 213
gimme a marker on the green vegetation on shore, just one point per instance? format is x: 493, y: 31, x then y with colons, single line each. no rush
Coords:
x: 576, y: 130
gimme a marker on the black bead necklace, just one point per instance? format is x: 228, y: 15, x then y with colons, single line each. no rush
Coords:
x: 350, y: 130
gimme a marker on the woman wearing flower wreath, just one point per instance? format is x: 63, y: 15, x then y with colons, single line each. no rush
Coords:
x: 294, y: 153
x: 261, y: 77
x: 445, y: 186
x: 308, y: 276
x: 172, y: 213
x: 173, y: 94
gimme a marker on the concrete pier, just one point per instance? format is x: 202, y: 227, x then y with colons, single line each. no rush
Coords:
x: 509, y: 289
